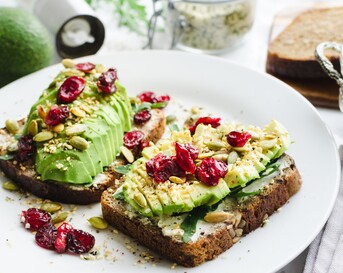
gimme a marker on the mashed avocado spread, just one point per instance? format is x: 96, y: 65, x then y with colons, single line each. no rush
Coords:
x: 78, y: 123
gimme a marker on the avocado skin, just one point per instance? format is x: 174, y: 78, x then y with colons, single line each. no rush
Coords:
x: 25, y: 44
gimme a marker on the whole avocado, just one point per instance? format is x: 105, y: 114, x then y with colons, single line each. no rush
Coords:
x: 25, y: 44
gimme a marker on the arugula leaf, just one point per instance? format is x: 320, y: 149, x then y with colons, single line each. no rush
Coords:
x: 119, y: 195
x: 124, y: 169
x: 143, y: 106
x: 161, y: 104
x: 190, y: 222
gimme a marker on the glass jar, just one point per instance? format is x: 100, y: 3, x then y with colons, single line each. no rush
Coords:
x: 207, y: 26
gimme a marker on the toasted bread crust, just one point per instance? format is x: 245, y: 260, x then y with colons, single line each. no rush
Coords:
x: 291, y: 53
x: 253, y: 212
x: 24, y: 175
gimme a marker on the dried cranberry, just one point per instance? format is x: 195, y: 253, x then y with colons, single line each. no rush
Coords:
x: 210, y: 171
x: 144, y: 144
x: 142, y: 117
x: 56, y: 115
x: 151, y: 97
x: 184, y: 158
x: 147, y: 96
x: 193, y: 150
x: 46, y: 236
x: 133, y: 139
x: 61, y: 237
x: 34, y: 218
x: 238, y: 139
x: 26, y: 148
x: 161, y: 167
x: 163, y: 98
x: 214, y: 122
x: 106, y: 81
x: 70, y: 89
x: 85, y: 67
x: 79, y: 241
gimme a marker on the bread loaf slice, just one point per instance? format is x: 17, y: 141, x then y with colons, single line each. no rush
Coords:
x: 247, y: 215
x: 25, y: 176
x: 291, y: 53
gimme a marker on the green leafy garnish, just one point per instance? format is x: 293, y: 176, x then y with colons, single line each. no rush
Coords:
x: 161, y: 104
x: 189, y: 224
x: 131, y: 13
x: 119, y: 195
x: 123, y: 169
x: 243, y: 194
x: 143, y: 106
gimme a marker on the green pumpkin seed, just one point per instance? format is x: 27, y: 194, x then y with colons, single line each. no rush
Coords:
x: 13, y: 147
x: 127, y: 154
x: 140, y: 200
x: 68, y: 63
x: 43, y: 136
x: 12, y: 126
x: 98, y: 222
x: 222, y: 157
x: 215, y: 145
x: 10, y: 186
x: 60, y: 217
x: 76, y: 129
x: 79, y: 143
x: 177, y: 180
x: 51, y: 207
x: 204, y: 155
x: 232, y: 157
x: 33, y: 128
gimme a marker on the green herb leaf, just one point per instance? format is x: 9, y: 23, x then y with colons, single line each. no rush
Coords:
x: 143, y: 106
x: 243, y: 194
x: 119, y: 195
x: 189, y: 224
x: 124, y: 169
x: 161, y: 104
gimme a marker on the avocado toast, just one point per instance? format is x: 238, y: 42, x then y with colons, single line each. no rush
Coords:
x: 192, y: 196
x: 67, y: 148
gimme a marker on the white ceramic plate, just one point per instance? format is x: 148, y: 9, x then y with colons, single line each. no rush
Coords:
x: 227, y: 90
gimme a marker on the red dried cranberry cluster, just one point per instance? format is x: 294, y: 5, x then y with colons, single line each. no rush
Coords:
x: 214, y: 122
x: 151, y: 97
x: 238, y: 139
x: 26, y: 148
x: 142, y: 117
x: 106, y: 81
x: 56, y: 115
x: 210, y: 171
x: 85, y: 67
x: 61, y: 239
x: 70, y: 89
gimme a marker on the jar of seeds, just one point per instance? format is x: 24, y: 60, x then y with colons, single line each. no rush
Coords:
x: 207, y: 26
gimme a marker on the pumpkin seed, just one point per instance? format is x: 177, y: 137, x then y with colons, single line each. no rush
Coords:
x: 98, y: 222
x: 68, y: 63
x: 41, y: 112
x: 76, y: 111
x: 13, y: 147
x: 217, y: 216
x: 232, y: 157
x: 51, y: 207
x: 43, y: 136
x: 76, y: 129
x: 170, y: 119
x: 268, y: 144
x: 58, y: 128
x: 204, y: 155
x: 140, y: 199
x: 12, y: 126
x: 86, y: 109
x: 127, y: 154
x: 33, y: 128
x: 177, y: 180
x: 222, y: 157
x: 10, y: 186
x: 60, y: 217
x: 215, y: 145
x: 73, y: 72
x: 79, y: 143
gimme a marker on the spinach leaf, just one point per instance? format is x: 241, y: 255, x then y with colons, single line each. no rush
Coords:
x: 124, y: 169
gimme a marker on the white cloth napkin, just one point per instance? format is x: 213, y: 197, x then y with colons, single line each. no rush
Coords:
x: 326, y: 251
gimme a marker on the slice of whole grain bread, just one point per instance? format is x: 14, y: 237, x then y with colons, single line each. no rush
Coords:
x: 24, y: 174
x: 291, y: 53
x: 248, y: 215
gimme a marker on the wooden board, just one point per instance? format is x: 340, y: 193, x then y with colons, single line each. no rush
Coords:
x: 320, y: 92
